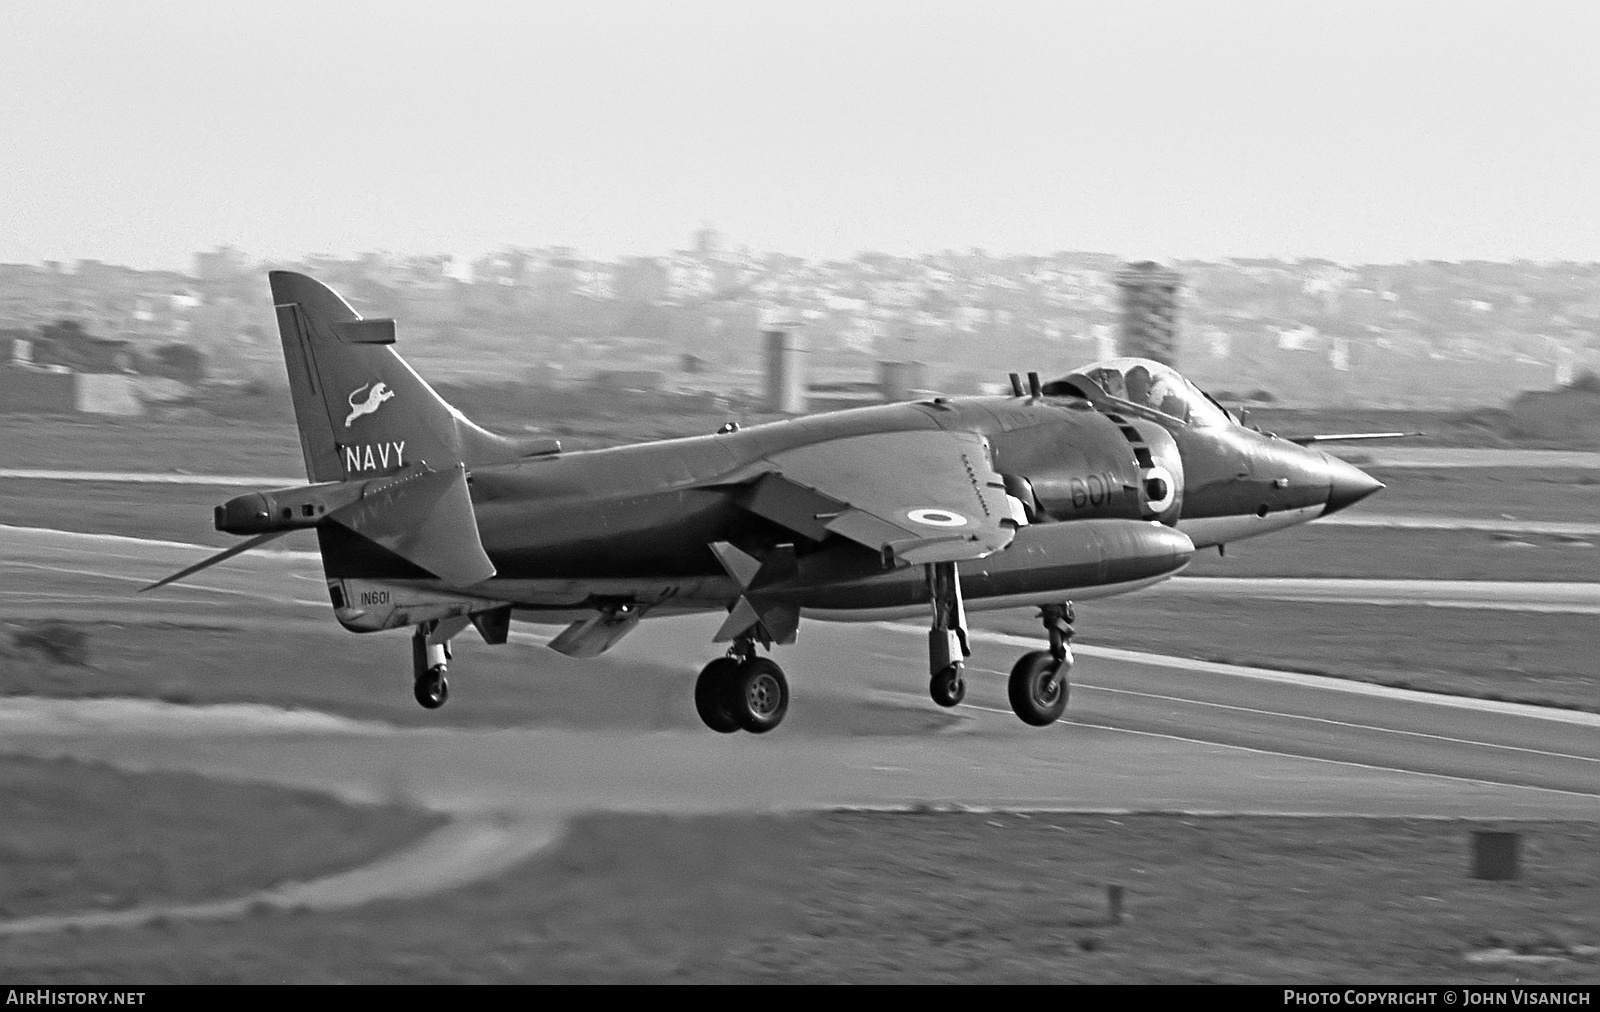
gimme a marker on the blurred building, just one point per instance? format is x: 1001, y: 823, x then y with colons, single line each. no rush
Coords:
x: 1149, y: 324
x: 1309, y: 332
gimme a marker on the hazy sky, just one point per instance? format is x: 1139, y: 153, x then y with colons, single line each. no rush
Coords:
x: 140, y: 132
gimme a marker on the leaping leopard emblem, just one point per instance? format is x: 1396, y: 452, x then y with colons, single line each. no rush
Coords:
x: 375, y: 398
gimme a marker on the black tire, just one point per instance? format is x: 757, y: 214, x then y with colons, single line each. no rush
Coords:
x: 712, y: 691
x: 759, y: 695
x: 432, y: 690
x: 948, y: 688
x: 1038, y: 688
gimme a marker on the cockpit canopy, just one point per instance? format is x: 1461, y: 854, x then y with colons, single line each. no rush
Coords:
x: 1146, y: 383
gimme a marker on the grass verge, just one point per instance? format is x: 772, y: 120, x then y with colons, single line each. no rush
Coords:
x: 932, y: 898
x: 81, y: 836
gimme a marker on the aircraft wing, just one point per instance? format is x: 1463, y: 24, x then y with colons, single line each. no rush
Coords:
x: 918, y: 497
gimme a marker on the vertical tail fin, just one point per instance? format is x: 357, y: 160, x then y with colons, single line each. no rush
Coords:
x: 362, y: 411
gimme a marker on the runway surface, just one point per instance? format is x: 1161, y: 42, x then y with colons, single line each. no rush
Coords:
x: 1448, y: 456
x: 1437, y: 522
x: 1143, y: 733
x: 150, y: 477
x: 1498, y: 595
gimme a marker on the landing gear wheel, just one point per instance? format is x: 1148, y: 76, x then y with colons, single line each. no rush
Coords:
x: 428, y: 684
x: 948, y: 688
x: 1038, y: 688
x: 758, y: 695
x: 432, y: 690
x: 712, y: 693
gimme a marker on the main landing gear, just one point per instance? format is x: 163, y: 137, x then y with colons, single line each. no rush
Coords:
x: 430, y: 655
x: 1039, y: 684
x: 742, y: 692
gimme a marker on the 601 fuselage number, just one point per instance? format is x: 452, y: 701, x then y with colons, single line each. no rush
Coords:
x: 1094, y: 490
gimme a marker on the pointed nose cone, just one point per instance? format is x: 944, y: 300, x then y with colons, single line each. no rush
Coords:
x: 1347, y: 485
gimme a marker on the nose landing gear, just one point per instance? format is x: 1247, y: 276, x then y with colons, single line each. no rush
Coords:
x: 742, y: 692
x: 1039, y: 685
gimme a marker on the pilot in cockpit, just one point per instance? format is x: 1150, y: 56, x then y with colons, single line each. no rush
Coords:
x: 1175, y: 405
x: 1109, y: 380
x: 1147, y: 384
x: 1139, y: 383
x: 1149, y: 391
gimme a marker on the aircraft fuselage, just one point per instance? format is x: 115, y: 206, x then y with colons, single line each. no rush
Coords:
x: 571, y: 532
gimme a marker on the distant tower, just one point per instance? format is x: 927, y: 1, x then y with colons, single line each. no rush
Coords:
x: 1149, y: 326
x: 707, y: 241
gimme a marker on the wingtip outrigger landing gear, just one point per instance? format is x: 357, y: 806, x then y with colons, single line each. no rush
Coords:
x: 947, y: 686
x: 1039, y: 685
x: 742, y: 691
x: 947, y: 640
x: 430, y: 656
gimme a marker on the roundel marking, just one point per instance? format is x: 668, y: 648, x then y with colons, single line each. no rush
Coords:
x: 937, y: 518
x: 1155, y: 475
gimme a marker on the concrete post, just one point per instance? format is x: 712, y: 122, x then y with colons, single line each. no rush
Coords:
x: 1494, y: 855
